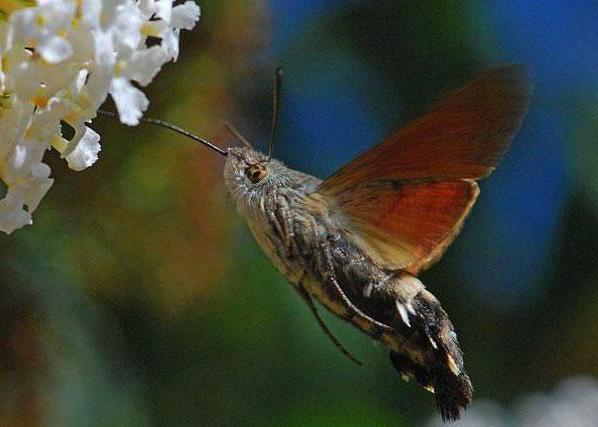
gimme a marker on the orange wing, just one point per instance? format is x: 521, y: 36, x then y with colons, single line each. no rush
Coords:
x: 405, y: 199
x: 406, y: 226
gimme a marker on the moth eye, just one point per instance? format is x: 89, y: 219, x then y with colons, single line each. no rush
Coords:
x: 256, y: 173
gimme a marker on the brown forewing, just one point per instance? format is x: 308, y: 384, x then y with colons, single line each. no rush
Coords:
x: 464, y: 136
x: 431, y: 163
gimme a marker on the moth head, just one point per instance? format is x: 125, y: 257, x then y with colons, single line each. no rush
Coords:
x: 256, y: 173
x: 247, y: 171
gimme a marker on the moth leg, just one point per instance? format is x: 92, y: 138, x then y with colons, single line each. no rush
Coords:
x: 346, y: 300
x: 310, y: 303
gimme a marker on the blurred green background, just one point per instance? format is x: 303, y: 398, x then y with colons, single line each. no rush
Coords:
x: 139, y: 297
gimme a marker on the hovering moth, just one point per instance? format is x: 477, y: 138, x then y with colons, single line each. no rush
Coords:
x: 357, y: 240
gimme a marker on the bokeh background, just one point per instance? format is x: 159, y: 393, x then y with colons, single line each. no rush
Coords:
x: 139, y: 297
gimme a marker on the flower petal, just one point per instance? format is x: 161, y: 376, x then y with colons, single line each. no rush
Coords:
x: 185, y: 15
x: 85, y: 153
x: 170, y: 43
x: 130, y: 101
x: 127, y: 26
x: 12, y: 214
x: 20, y: 159
x: 164, y: 9
x: 36, y: 187
x: 56, y: 49
x: 145, y: 64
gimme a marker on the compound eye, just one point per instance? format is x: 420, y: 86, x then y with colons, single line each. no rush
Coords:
x: 256, y: 173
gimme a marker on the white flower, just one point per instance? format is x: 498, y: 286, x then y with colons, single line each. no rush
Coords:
x: 85, y: 152
x: 185, y: 16
x: 27, y: 180
x: 12, y: 214
x: 59, y: 61
x: 173, y: 19
x: 43, y: 26
x: 130, y: 101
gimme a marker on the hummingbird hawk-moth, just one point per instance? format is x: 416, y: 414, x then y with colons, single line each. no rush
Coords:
x: 356, y: 241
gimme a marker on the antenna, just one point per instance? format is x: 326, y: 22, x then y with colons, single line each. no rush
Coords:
x: 172, y: 127
x: 275, y: 110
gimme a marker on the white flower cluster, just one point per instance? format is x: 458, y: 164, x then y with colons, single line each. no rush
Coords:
x: 59, y: 61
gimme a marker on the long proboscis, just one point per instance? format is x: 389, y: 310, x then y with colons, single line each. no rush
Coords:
x: 172, y: 127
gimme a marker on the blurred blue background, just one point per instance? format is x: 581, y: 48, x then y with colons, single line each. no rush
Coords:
x: 139, y: 298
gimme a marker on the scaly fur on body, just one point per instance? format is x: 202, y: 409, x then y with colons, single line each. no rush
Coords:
x: 308, y: 242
